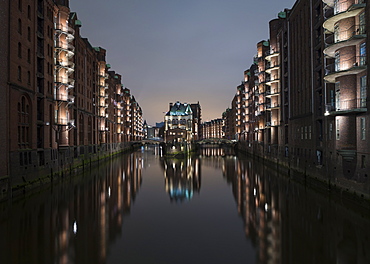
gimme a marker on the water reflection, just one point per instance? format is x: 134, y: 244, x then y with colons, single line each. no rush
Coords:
x: 289, y: 223
x: 182, y: 177
x: 75, y: 221
x: 90, y: 218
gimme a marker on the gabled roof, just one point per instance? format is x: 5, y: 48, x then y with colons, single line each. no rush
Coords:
x: 179, y: 109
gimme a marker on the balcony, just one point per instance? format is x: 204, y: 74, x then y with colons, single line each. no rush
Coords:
x: 64, y: 122
x: 270, y: 54
x: 103, y: 95
x: 65, y: 46
x: 354, y: 65
x: 274, y: 92
x: 328, y: 11
x: 273, y: 106
x: 64, y: 29
x: 344, y: 38
x: 65, y: 81
x: 329, y: 2
x: 342, y: 11
x: 346, y: 107
x: 272, y: 67
x: 271, y: 80
x: 61, y: 96
x: 68, y: 65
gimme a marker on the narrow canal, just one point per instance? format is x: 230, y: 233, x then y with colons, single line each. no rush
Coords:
x: 214, y: 207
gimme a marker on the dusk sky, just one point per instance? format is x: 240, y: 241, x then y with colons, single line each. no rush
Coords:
x: 172, y: 50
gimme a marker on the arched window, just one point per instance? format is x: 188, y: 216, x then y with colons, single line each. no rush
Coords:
x: 29, y: 12
x: 20, y: 5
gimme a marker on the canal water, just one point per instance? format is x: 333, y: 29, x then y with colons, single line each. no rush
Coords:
x: 214, y: 207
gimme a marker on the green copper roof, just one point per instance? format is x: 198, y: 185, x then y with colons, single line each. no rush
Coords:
x: 78, y: 23
x: 179, y: 109
x: 282, y: 14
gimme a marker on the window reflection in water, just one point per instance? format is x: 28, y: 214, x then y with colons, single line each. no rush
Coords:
x: 182, y: 177
x: 80, y: 219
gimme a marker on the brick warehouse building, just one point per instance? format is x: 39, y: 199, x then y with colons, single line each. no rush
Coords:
x: 306, y: 93
x: 62, y: 105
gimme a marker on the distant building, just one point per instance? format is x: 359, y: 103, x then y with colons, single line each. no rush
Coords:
x: 179, y: 122
x: 213, y: 129
x: 197, y: 120
x: 228, y: 124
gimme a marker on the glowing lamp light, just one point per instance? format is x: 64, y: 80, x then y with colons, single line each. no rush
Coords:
x: 75, y: 227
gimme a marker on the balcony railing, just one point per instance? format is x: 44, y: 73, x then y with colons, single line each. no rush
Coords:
x: 273, y: 105
x: 66, y: 81
x: 328, y: 12
x: 104, y: 95
x: 64, y: 121
x: 69, y: 65
x: 343, y: 106
x: 64, y: 29
x: 273, y: 92
x: 64, y: 45
x: 346, y: 34
x: 271, y: 53
x: 271, y: 66
x: 345, y: 5
x: 343, y: 65
x: 61, y: 97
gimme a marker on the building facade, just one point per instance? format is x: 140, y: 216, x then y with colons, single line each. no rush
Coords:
x: 181, y: 124
x: 306, y: 93
x: 61, y: 103
x: 213, y: 129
